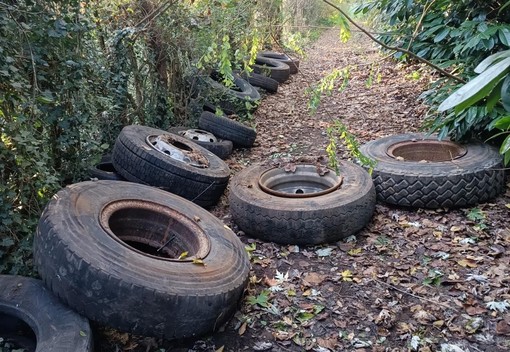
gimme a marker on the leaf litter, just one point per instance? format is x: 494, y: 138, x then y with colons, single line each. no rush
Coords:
x: 412, y: 280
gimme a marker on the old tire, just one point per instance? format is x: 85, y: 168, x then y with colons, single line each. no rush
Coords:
x: 257, y: 80
x: 137, y: 161
x: 221, y: 148
x: 275, y: 69
x: 105, y: 171
x: 303, y: 221
x: 293, y: 63
x: 469, y: 179
x: 223, y: 127
x: 30, y: 316
x: 97, y: 245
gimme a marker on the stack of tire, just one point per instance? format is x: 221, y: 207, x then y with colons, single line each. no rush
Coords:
x: 132, y: 251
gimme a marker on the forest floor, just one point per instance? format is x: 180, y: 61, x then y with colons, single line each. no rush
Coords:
x: 424, y: 280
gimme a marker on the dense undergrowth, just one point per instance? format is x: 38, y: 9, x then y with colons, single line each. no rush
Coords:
x: 73, y: 73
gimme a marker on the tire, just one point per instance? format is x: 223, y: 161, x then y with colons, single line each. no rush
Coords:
x: 293, y: 63
x: 137, y: 161
x: 105, y: 171
x: 81, y: 251
x: 303, y: 221
x: 257, y: 80
x: 223, y: 127
x: 32, y: 318
x: 221, y: 148
x: 470, y: 179
x: 233, y: 100
x: 275, y: 69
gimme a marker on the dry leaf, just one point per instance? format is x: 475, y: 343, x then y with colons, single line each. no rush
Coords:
x: 467, y: 263
x: 242, y: 329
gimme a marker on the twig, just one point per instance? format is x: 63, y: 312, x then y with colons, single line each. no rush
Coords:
x: 415, y: 33
x: 395, y: 48
x: 415, y: 296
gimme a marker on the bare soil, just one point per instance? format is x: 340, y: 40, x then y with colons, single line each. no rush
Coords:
x: 411, y: 280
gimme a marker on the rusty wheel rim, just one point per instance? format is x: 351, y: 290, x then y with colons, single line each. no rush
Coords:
x: 304, y: 182
x: 155, y: 230
x: 426, y: 151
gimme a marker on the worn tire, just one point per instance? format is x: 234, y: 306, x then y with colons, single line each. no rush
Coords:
x: 257, y: 80
x: 82, y: 254
x: 221, y: 148
x: 293, y: 63
x: 473, y: 178
x: 105, y: 171
x: 302, y: 221
x: 29, y: 308
x: 137, y: 161
x: 275, y: 69
x: 223, y: 127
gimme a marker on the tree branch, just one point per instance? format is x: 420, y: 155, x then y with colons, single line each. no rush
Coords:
x: 395, y: 48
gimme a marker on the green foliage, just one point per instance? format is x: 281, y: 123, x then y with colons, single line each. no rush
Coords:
x: 326, y: 85
x: 73, y: 73
x: 492, y: 85
x: 339, y: 133
x: 458, y: 36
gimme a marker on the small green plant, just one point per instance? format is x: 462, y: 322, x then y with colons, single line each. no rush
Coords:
x: 477, y: 216
x: 338, y: 132
x: 433, y: 278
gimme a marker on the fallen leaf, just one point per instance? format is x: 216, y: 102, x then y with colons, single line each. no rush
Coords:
x: 503, y: 328
x: 199, y: 261
x: 355, y: 252
x: 467, y: 263
x: 313, y: 278
x: 196, y: 218
x: 242, y: 329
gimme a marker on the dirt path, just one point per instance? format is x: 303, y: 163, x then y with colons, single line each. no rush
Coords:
x: 420, y: 278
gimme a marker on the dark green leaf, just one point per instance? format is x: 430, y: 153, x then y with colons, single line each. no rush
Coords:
x: 441, y: 35
x: 504, y: 36
x: 503, y: 123
x: 505, y: 147
x: 505, y: 93
x: 494, y: 97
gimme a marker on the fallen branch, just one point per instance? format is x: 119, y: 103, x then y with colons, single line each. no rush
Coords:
x: 395, y: 48
x: 393, y: 287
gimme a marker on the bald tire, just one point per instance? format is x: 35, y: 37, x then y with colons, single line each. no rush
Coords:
x: 104, y: 278
x: 473, y: 178
x: 302, y: 221
x: 136, y: 161
x: 27, y: 302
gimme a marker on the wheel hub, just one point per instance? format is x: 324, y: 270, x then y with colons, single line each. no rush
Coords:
x: 426, y: 151
x: 177, y: 150
x: 304, y: 182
